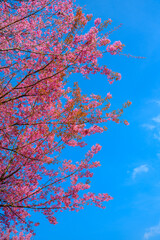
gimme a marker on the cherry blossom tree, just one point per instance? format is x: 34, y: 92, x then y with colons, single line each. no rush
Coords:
x: 43, y: 43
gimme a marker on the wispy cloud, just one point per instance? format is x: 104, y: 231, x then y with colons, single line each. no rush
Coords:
x: 157, y: 136
x: 157, y: 102
x: 152, y: 231
x: 148, y: 126
x: 138, y: 170
x: 156, y: 119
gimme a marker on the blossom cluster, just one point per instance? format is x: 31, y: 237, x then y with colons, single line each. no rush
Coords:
x: 42, y: 43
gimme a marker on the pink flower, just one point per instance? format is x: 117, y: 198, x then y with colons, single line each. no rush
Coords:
x: 97, y: 22
x: 104, y: 41
x: 119, y: 76
x: 115, y: 48
x: 109, y: 95
x: 110, y: 82
x: 36, y: 224
x: 126, y: 122
x: 96, y: 148
x: 72, y: 143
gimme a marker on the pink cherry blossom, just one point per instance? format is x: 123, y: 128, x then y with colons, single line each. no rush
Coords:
x: 43, y: 113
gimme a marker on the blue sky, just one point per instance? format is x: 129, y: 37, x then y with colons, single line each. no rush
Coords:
x: 130, y: 155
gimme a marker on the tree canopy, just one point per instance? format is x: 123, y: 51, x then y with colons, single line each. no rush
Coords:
x: 42, y: 43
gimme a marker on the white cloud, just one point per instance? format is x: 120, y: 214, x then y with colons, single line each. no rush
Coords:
x: 157, y: 136
x: 156, y: 119
x: 152, y: 231
x: 148, y: 126
x: 157, y: 102
x: 141, y: 169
